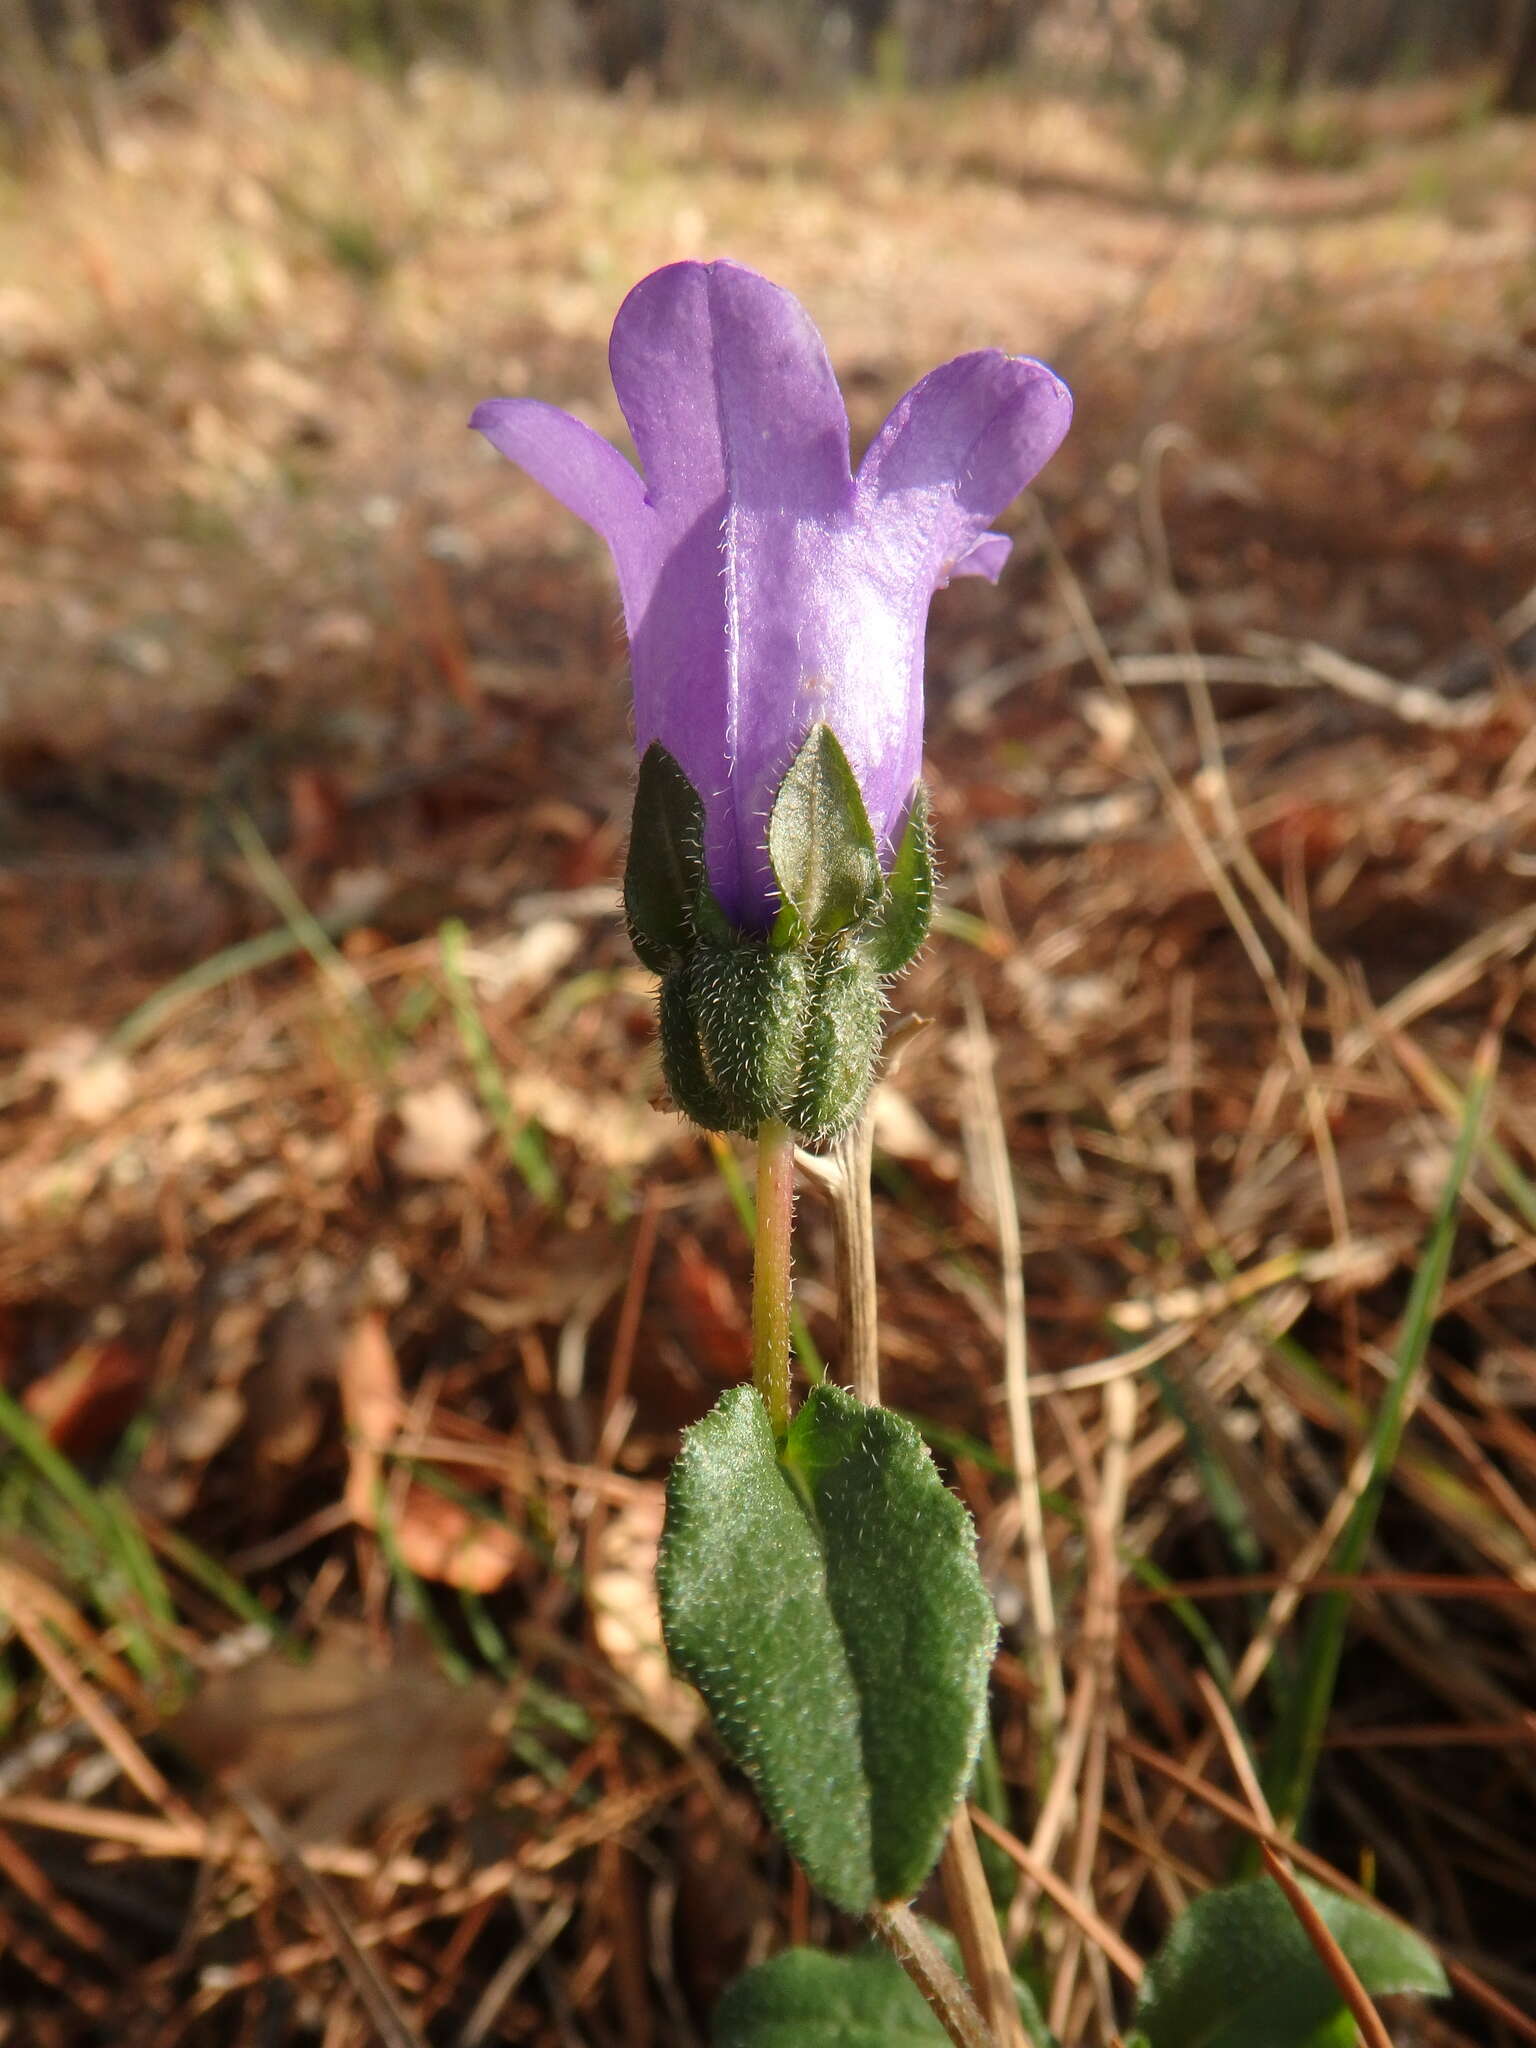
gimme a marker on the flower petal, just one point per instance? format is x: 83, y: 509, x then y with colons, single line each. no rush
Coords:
x: 586, y: 473
x: 727, y: 389
x: 959, y: 447
x: 743, y: 436
x: 987, y: 558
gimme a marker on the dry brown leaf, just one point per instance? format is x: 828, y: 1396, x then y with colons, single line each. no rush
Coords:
x: 574, y: 1277
x: 435, y: 1537
x: 317, y: 810
x: 93, y: 1084
x: 526, y: 961
x: 205, y: 1425
x: 615, y: 1130
x: 710, y: 1304
x: 87, y: 1399
x: 342, y: 1738
x: 285, y: 1395
x: 626, y: 1618
x: 441, y: 1130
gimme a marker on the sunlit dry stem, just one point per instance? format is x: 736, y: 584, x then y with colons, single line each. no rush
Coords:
x: 1051, y: 1709
x: 847, y: 1182
x: 843, y: 1175
x: 914, y: 1948
x: 772, y: 1269
x: 974, y: 1919
x: 856, y: 1223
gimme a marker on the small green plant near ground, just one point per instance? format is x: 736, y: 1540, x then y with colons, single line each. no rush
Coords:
x: 130, y: 1214
x: 818, y: 1583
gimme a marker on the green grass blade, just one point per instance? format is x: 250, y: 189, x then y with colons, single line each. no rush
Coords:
x: 414, y: 1597
x: 1223, y: 1496
x: 136, y: 1558
x: 521, y: 1140
x: 1298, y: 1735
x: 117, y: 1571
x: 357, y: 1002
x: 51, y: 1465
x: 487, y: 1637
x: 246, y: 956
x: 195, y: 1564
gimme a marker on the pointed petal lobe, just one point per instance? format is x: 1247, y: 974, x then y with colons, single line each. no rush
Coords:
x: 586, y: 473
x: 957, y: 449
x: 727, y: 389
x: 987, y: 558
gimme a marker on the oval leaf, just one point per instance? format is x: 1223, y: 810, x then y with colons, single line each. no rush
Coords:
x: 828, y: 1605
x: 1237, y: 1970
x: 807, y: 1999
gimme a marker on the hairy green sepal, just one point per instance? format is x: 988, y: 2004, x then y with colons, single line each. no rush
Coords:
x: 825, y: 1599
x: 668, y: 904
x: 784, y: 1025
x: 821, y: 846
x: 893, y: 936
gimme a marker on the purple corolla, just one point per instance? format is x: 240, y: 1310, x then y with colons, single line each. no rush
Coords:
x: 766, y: 589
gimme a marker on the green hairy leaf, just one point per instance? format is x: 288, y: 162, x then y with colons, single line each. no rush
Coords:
x: 1237, y: 1970
x: 821, y: 844
x: 827, y: 1603
x: 807, y: 1999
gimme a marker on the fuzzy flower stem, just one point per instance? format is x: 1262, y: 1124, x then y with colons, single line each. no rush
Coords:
x: 771, y: 1270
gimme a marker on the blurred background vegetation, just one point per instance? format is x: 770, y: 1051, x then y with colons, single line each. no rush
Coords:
x: 58, y: 58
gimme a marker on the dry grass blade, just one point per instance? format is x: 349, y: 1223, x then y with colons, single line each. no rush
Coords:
x: 1021, y: 1422
x: 1097, y: 1929
x: 844, y: 1178
x: 1105, y: 1503
x: 948, y: 1999
x: 1329, y: 1954
x: 103, y: 1723
x: 974, y: 1920
x: 1243, y: 1770
x: 492, y: 2002
x: 375, y: 1995
x: 32, y: 1883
